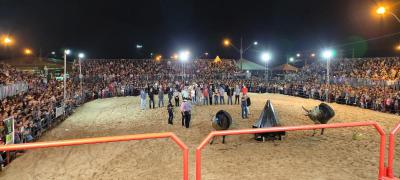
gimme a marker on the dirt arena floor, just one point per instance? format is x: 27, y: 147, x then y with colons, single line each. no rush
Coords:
x: 336, y: 155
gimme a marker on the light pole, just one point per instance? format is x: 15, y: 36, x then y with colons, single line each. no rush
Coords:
x: 80, y: 57
x: 184, y: 56
x: 66, y: 52
x: 228, y: 42
x: 266, y: 56
x: 7, y: 41
x: 327, y: 54
x: 382, y: 10
x: 291, y: 59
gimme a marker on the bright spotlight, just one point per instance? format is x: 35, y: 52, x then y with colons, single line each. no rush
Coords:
x: 67, y: 51
x: 313, y: 55
x: 27, y: 51
x: 184, y: 55
x: 158, y: 58
x: 266, y: 56
x: 381, y: 10
x: 227, y: 42
x: 53, y: 53
x: 174, y: 56
x: 7, y: 40
x: 298, y: 54
x: 81, y: 55
x: 139, y: 46
x: 291, y: 59
x: 255, y: 43
x: 327, y: 54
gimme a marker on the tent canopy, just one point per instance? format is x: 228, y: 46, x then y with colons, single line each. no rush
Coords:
x: 286, y: 68
x: 248, y: 65
x: 217, y: 59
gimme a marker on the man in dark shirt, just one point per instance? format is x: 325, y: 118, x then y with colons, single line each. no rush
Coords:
x: 151, y: 97
x: 170, y: 113
x: 229, y: 92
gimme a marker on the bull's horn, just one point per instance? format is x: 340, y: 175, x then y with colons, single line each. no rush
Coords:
x: 305, y: 109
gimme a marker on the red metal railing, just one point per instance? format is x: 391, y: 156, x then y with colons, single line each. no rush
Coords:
x: 382, y: 169
x: 392, y: 145
x: 96, y: 140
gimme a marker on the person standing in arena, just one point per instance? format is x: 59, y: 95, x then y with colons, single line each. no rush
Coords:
x: 244, y: 90
x: 170, y: 94
x: 248, y: 104
x: 170, y: 109
x: 186, y: 109
x: 221, y: 95
x: 176, y: 97
x: 210, y: 95
x: 193, y: 95
x: 143, y: 99
x: 205, y: 96
x: 151, y: 97
x: 237, y: 94
x: 160, y: 97
x: 216, y: 96
x: 244, y: 107
x: 229, y: 93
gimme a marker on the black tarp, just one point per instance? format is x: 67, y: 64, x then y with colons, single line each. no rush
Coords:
x: 268, y: 118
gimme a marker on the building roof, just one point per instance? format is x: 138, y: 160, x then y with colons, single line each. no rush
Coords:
x: 248, y: 65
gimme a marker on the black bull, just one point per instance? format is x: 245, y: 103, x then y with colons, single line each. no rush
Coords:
x: 221, y: 121
x: 320, y: 115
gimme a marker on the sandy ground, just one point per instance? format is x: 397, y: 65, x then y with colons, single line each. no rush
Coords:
x: 335, y: 155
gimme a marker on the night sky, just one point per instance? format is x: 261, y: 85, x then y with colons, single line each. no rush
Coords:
x: 112, y: 28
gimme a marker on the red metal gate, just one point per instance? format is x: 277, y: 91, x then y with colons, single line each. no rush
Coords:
x: 96, y: 140
x: 382, y: 170
x: 392, y: 145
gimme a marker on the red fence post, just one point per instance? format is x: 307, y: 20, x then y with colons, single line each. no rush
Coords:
x: 391, y: 150
x: 96, y: 140
x: 382, y: 172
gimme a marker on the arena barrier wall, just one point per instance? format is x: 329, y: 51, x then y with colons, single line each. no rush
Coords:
x: 382, y: 169
x: 96, y: 140
x: 392, y: 146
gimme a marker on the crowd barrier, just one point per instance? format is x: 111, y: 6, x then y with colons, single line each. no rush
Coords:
x: 392, y: 146
x: 12, y: 89
x: 382, y: 169
x: 76, y: 142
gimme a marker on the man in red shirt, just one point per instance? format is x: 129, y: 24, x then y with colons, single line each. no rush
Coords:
x: 205, y: 95
x: 244, y: 90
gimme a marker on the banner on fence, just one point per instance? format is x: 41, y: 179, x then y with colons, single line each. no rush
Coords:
x: 9, y: 130
x: 59, y: 111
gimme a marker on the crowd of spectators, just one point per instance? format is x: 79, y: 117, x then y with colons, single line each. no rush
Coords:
x: 375, y: 69
x: 10, y: 75
x: 310, y: 81
x: 106, y: 78
x: 34, y: 110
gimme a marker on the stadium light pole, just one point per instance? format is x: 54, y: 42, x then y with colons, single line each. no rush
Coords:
x: 80, y: 57
x: 266, y: 56
x: 184, y: 56
x: 327, y: 55
x: 228, y: 43
x: 291, y: 59
x: 66, y: 52
x: 382, y: 10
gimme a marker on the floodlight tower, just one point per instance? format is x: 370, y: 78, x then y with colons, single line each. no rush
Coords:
x: 66, y: 52
x: 266, y: 57
x: 80, y: 57
x: 184, y: 57
x: 327, y: 55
